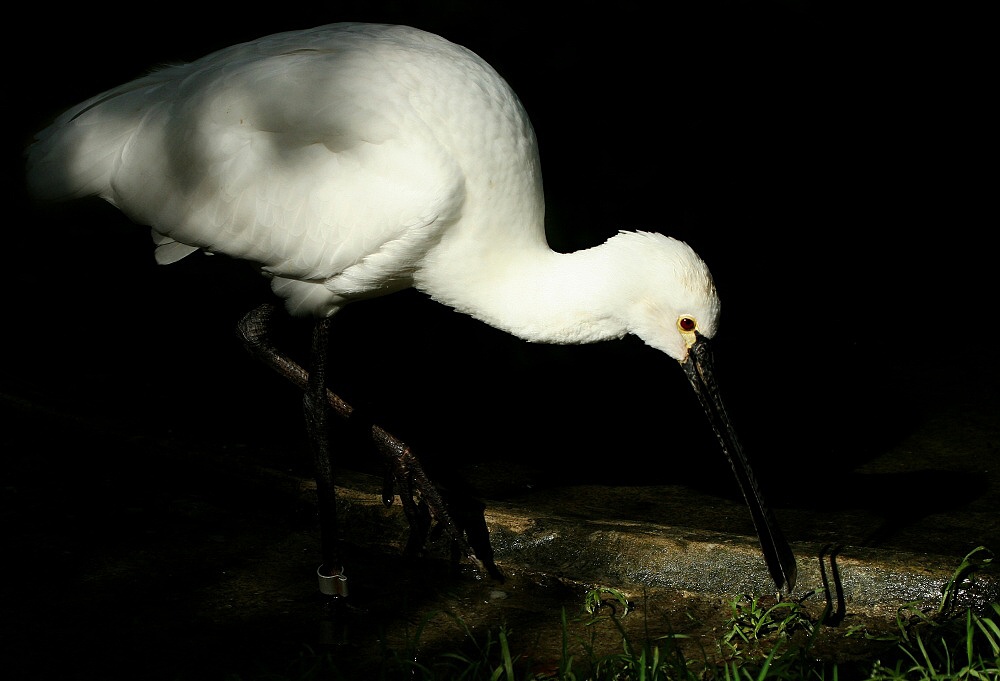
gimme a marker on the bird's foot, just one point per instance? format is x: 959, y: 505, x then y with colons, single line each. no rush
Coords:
x: 461, y: 516
x: 404, y: 468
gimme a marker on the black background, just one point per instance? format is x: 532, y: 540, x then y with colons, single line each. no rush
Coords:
x: 829, y: 164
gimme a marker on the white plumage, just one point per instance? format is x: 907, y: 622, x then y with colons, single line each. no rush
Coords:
x: 353, y: 160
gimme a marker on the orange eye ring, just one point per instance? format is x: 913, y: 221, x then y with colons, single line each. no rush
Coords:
x: 687, y: 324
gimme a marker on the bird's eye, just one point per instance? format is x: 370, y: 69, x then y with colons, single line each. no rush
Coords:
x: 686, y: 324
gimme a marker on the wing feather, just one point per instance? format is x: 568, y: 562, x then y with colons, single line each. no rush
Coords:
x: 300, y: 152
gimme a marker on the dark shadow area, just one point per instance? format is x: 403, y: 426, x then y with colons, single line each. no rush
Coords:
x: 826, y: 167
x: 836, y: 608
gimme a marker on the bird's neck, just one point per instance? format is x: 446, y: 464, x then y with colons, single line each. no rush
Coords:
x: 537, y: 295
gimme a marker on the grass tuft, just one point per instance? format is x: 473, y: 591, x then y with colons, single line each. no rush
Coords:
x: 760, y: 641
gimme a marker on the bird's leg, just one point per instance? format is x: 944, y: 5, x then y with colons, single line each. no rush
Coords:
x: 254, y: 329
x: 331, y: 572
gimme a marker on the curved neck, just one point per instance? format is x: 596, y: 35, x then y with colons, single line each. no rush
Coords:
x: 537, y: 294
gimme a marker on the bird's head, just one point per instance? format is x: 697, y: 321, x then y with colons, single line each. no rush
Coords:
x: 673, y: 299
x: 675, y: 308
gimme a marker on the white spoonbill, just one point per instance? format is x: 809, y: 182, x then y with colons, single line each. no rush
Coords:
x: 353, y: 160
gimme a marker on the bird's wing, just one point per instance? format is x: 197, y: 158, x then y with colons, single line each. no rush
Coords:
x: 303, y: 156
